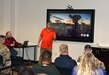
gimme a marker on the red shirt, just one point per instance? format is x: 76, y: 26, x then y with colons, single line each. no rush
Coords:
x: 47, y: 38
x: 9, y: 41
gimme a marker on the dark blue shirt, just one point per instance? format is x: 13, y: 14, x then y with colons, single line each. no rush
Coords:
x: 65, y: 61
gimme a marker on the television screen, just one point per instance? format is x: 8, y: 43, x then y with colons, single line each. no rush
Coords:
x: 72, y: 25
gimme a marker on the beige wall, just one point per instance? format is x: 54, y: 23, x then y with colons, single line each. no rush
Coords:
x: 6, y: 15
x: 26, y: 18
x: 1, y: 27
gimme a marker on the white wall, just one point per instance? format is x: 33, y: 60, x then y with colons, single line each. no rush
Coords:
x: 30, y: 17
x: 1, y: 27
x: 7, y: 14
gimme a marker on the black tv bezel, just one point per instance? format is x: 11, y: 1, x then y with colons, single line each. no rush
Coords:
x: 91, y: 11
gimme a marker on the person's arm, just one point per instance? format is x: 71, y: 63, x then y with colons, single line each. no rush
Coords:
x: 79, y: 59
x: 101, y: 64
x: 40, y: 38
x: 39, y: 41
x: 6, y: 52
x: 15, y: 42
x: 74, y: 71
x: 54, y: 38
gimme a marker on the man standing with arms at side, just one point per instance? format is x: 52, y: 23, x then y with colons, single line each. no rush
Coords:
x: 46, y: 38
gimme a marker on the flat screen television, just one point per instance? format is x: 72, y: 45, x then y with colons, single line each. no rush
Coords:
x: 72, y: 25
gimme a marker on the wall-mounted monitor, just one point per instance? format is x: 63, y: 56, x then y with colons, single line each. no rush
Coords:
x: 72, y: 25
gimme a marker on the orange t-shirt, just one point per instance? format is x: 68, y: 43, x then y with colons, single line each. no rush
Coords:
x: 47, y: 38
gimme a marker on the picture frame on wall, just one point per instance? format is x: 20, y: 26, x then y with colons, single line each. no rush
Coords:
x: 72, y: 25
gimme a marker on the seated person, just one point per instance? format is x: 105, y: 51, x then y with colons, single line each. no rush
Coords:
x: 64, y: 60
x: 88, y: 49
x: 4, y: 51
x: 88, y: 66
x: 45, y: 65
x: 10, y: 42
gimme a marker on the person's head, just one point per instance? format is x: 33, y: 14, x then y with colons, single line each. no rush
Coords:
x: 25, y: 71
x: 2, y: 38
x: 88, y: 59
x: 46, y: 57
x: 48, y: 25
x: 63, y: 49
x: 87, y: 49
x: 8, y: 34
x: 87, y: 64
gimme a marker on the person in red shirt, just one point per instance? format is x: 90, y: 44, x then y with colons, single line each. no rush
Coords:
x: 46, y: 38
x: 10, y: 42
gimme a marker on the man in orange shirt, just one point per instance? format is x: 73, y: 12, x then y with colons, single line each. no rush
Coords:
x: 46, y: 38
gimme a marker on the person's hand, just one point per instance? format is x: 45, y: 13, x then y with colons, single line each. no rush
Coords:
x: 13, y: 44
x: 38, y: 45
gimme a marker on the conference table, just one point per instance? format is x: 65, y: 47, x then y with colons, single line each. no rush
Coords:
x: 27, y: 47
